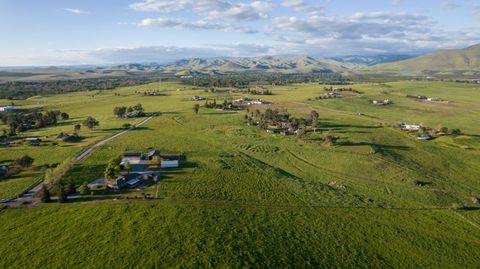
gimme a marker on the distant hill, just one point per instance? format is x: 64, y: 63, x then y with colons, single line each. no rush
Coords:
x: 282, y: 64
x: 372, y: 59
x: 445, y: 60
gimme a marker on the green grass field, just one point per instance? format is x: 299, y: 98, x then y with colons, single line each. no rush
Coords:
x: 245, y: 198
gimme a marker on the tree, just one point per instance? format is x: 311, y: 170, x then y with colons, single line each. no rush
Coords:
x: 330, y: 138
x: 56, y: 174
x: 128, y: 167
x: 315, y: 120
x: 90, y: 122
x: 456, y: 132
x: 71, y: 187
x: 155, y: 160
x: 62, y: 194
x: 196, y: 108
x: 25, y: 161
x: 84, y: 189
x: 314, y: 116
x: 120, y: 111
x: 126, y: 125
x: 444, y: 130
x: 112, y: 169
x: 138, y: 107
x: 44, y: 194
x: 77, y: 128
x: 64, y: 116
x: 301, y: 133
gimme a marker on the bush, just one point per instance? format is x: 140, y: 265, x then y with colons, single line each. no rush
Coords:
x: 456, y: 132
x: 25, y: 161
x: 44, y: 194
x: 84, y: 189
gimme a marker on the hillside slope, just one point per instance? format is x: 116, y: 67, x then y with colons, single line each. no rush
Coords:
x: 467, y: 59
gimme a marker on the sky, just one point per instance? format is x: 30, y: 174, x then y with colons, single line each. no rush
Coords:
x: 78, y: 32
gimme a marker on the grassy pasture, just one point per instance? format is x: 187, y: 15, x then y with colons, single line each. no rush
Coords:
x: 166, y: 235
x: 245, y: 198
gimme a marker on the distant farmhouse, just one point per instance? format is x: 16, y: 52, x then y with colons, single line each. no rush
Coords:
x: 429, y: 99
x: 198, y: 98
x: 410, y: 127
x: 7, y: 108
x: 249, y: 101
x: 33, y: 141
x: 381, y: 102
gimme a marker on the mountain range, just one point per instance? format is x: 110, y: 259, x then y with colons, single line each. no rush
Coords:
x: 462, y: 62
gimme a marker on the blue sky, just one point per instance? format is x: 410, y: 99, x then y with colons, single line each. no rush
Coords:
x: 70, y: 32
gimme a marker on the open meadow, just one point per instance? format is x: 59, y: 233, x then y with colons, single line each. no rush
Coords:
x: 378, y: 197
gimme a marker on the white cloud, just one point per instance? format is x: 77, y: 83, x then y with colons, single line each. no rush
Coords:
x: 75, y: 11
x: 158, y: 54
x: 367, y: 32
x: 302, y: 6
x: 211, y: 9
x: 450, y: 5
x: 202, y: 25
x: 476, y: 10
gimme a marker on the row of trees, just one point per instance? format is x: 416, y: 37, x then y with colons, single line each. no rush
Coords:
x: 54, y: 182
x: 258, y: 92
x: 283, y: 120
x: 25, y: 89
x: 225, y: 105
x: 23, y: 121
x: 247, y: 79
x: 123, y: 111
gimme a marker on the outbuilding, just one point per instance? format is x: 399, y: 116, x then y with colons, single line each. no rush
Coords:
x: 7, y: 108
x: 33, y: 141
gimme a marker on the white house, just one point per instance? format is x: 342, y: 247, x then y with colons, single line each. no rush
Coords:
x: 7, y: 108
x: 410, y: 127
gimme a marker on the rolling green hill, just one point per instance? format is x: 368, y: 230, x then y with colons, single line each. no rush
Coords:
x: 281, y: 64
x: 445, y: 60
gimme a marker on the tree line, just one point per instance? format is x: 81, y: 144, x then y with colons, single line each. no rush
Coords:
x: 124, y: 112
x: 247, y: 79
x: 24, y: 89
x: 23, y: 121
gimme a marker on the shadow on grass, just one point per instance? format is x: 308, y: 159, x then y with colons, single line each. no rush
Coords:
x: 345, y: 126
x: 376, y: 147
x: 220, y: 112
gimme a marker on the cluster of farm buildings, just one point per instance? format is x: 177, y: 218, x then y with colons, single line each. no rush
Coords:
x: 139, y: 173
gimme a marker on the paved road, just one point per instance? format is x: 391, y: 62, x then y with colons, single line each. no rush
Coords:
x: 93, y: 148
x: 30, y: 197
